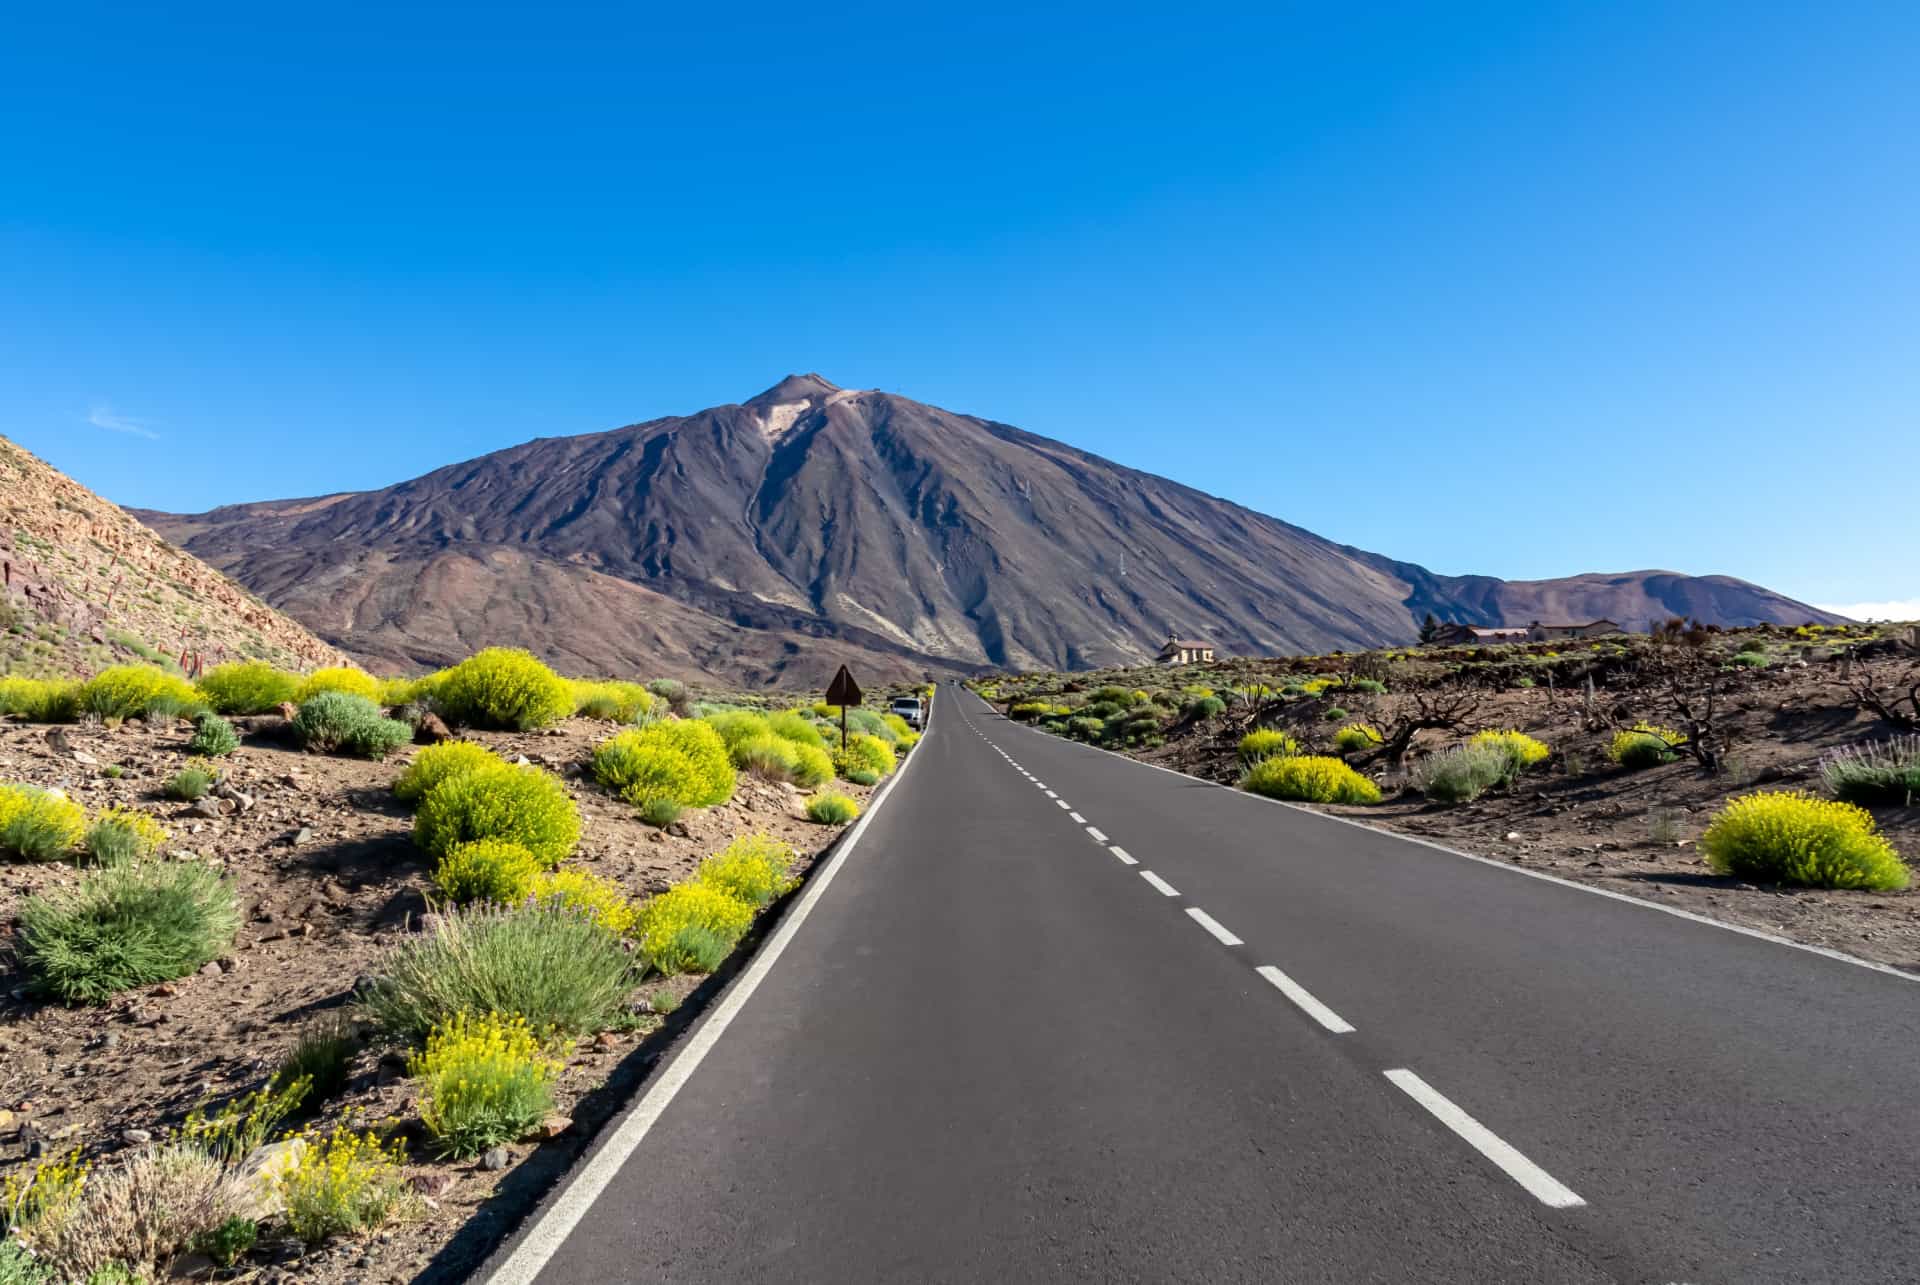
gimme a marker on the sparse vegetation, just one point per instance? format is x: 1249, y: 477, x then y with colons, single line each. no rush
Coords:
x: 39, y: 825
x: 691, y: 928
x: 1788, y: 837
x: 600, y: 900
x: 437, y: 763
x: 1881, y: 774
x: 1355, y: 737
x: 830, y: 807
x: 752, y: 869
x: 340, y: 678
x: 1463, y: 773
x: 345, y: 1183
x: 502, y: 688
x: 522, y: 805
x: 1645, y: 745
x: 120, y: 836
x: 126, y: 926
x: 137, y: 691
x: 483, y: 1081
x: 247, y: 687
x: 1309, y: 779
x: 495, y: 870
x: 684, y: 761
x: 547, y: 963
x: 1265, y: 742
x: 339, y: 720
x: 213, y: 736
x: 189, y: 783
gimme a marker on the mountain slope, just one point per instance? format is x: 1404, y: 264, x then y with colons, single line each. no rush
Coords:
x: 906, y: 535
x: 83, y: 585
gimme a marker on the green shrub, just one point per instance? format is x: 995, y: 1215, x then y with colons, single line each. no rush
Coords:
x: 392, y: 693
x: 39, y: 825
x: 1753, y: 645
x: 340, y: 678
x: 344, y: 1183
x: 522, y: 805
x: 213, y: 736
x: 1027, y: 711
x: 483, y: 1081
x: 768, y: 757
x: 661, y: 812
x: 1884, y: 774
x: 1748, y: 660
x: 1372, y: 686
x: 340, y: 720
x: 610, y: 701
x: 1463, y: 773
x: 547, y: 963
x: 132, y: 1218
x: 1086, y: 729
x: 229, y: 1241
x: 189, y: 783
x: 232, y: 1133
x: 792, y: 725
x: 866, y: 753
x: 1207, y: 707
x: 737, y: 727
x: 1788, y: 837
x: 830, y: 807
x: 121, y: 836
x: 1309, y: 778
x: 1335, y: 714
x: 753, y: 869
x: 437, y: 763
x: 247, y: 687
x: 502, y: 688
x: 861, y: 776
x: 319, y: 1063
x: 1264, y: 742
x: 685, y: 760
x: 1645, y: 745
x: 126, y: 926
x: 1356, y: 736
x: 691, y: 928
x: 486, y: 870
x: 40, y: 700
x: 138, y: 691
x: 812, y: 765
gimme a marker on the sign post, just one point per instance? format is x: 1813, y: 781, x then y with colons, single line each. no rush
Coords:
x: 843, y: 691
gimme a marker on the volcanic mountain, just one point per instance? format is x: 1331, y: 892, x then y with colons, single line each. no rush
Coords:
x: 813, y: 524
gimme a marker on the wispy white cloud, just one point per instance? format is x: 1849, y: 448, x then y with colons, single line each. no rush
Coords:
x: 1896, y: 609
x: 100, y: 415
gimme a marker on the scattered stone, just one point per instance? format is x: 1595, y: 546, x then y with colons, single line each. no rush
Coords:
x: 1513, y: 836
x: 211, y: 969
x: 259, y: 1177
x: 302, y: 836
x: 288, y: 710
x: 208, y: 807
x: 138, y: 1137
x: 431, y: 730
x: 432, y: 1183
x: 497, y: 1159
x: 553, y: 1126
x: 521, y: 760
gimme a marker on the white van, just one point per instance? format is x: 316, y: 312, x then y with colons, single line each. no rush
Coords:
x: 911, y: 709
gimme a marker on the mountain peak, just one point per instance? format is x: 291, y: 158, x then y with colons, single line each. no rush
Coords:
x: 795, y: 388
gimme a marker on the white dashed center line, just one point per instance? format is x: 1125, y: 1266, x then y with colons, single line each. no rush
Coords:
x: 1164, y: 888
x: 1212, y: 925
x: 1299, y: 995
x: 1121, y: 853
x: 1097, y: 836
x: 1063, y: 803
x: 1077, y: 818
x: 1539, y: 1183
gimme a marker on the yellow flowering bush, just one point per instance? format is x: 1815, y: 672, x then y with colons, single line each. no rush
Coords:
x: 339, y: 678
x: 1264, y: 742
x: 753, y: 869
x: 54, y: 1187
x: 40, y: 700
x: 120, y: 835
x: 1645, y: 745
x: 1309, y: 778
x: 600, y: 900
x: 505, y: 688
x: 39, y: 825
x: 864, y: 753
x: 830, y: 807
x: 395, y: 692
x: 1356, y: 736
x: 134, y: 691
x: 1524, y: 750
x: 610, y: 701
x: 483, y: 1081
x: 522, y: 805
x: 691, y: 928
x: 247, y: 687
x: 437, y: 763
x: 486, y: 870
x: 344, y: 1183
x: 685, y: 760
x: 1788, y: 837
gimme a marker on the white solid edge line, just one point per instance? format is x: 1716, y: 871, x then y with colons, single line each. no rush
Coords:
x: 1098, y: 837
x: 1540, y: 1184
x: 1214, y: 926
x: 544, y: 1237
x: 1305, y: 1001
x: 1121, y: 853
x: 1165, y: 889
x: 1758, y: 934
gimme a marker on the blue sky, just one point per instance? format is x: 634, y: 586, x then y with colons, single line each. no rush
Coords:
x: 1524, y: 289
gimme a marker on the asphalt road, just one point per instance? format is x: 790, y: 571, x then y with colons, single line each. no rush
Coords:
x: 1253, y: 1044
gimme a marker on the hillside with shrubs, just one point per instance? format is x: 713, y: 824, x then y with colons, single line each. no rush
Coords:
x: 1768, y: 776
x: 83, y: 585
x: 301, y: 966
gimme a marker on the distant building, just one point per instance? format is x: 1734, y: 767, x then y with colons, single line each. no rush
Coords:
x: 1184, y: 651
x: 1490, y: 635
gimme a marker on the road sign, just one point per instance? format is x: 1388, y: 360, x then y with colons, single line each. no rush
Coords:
x: 843, y: 690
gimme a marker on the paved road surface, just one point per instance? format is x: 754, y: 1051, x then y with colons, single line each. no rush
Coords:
x: 1060, y: 1016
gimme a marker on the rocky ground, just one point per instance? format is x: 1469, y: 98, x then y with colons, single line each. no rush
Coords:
x: 330, y: 881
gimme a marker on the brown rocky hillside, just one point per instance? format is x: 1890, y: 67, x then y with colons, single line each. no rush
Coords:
x: 84, y: 585
x: 769, y: 540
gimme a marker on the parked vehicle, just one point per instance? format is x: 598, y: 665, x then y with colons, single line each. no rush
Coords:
x: 911, y: 709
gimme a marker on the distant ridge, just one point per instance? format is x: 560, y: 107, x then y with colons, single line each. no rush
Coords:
x: 769, y: 541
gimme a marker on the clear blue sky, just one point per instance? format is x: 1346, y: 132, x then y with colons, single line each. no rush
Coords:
x: 1522, y: 289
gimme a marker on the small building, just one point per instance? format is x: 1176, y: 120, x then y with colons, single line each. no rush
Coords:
x: 1491, y: 635
x: 1184, y: 651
